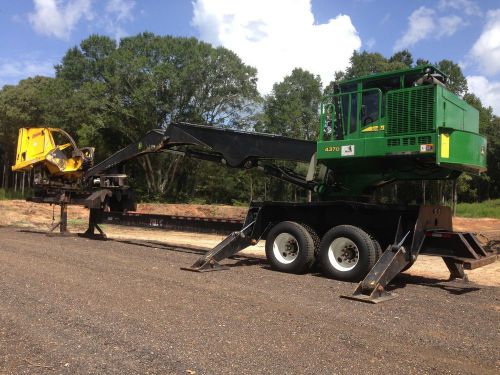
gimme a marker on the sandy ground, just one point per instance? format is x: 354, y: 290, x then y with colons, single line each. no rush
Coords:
x: 32, y: 215
x: 71, y: 305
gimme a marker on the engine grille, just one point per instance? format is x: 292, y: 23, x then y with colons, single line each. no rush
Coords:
x: 410, y: 110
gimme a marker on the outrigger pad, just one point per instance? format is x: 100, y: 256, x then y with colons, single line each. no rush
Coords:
x: 375, y: 297
x: 90, y: 233
x: 206, y: 267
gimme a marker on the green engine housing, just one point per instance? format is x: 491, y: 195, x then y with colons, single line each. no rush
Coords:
x: 402, y: 125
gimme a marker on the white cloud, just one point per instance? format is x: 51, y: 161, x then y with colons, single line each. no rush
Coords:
x: 487, y: 91
x: 448, y: 25
x: 424, y: 23
x: 122, y: 9
x: 277, y: 36
x: 53, y: 18
x: 486, y: 50
x: 370, y: 43
x: 59, y: 18
x: 420, y: 26
x: 13, y: 71
x: 118, y: 12
x: 469, y: 7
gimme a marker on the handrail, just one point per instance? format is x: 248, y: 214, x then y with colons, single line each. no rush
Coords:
x: 325, y: 106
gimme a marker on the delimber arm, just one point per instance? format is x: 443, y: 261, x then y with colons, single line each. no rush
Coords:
x: 230, y: 147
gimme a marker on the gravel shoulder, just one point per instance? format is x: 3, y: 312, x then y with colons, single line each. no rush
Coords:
x: 73, y: 305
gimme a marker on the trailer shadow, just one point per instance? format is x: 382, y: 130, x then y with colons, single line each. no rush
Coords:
x: 240, y: 260
x: 455, y: 286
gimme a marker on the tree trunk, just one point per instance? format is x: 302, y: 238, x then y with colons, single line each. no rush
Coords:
x: 171, y: 176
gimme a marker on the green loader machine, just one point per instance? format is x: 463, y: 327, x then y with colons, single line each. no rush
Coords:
x: 375, y: 130
x: 403, y: 125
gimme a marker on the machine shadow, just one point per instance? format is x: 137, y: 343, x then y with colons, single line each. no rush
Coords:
x: 240, y: 260
x: 455, y: 287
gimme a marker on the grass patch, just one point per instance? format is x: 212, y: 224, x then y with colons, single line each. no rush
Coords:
x: 489, y: 208
x: 77, y: 221
x: 6, y: 194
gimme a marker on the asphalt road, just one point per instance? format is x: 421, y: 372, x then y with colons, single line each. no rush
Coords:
x: 72, y: 305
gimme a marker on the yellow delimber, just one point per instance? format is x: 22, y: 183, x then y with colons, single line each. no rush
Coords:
x: 36, y: 146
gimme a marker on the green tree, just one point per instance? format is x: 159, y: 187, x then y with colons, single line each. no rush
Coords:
x: 404, y: 57
x: 456, y: 80
x: 22, y: 105
x: 421, y: 62
x: 487, y: 185
x: 148, y: 81
x: 292, y: 108
x: 366, y: 63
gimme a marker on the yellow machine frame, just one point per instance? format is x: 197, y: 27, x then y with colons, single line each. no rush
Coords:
x: 36, y: 146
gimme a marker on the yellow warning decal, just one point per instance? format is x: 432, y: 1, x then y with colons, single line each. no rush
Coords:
x: 374, y: 128
x: 445, y: 146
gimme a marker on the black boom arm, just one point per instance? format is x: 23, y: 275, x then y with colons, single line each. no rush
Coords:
x: 236, y: 149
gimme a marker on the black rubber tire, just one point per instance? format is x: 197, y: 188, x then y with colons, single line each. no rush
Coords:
x: 305, y: 255
x: 366, y: 248
x: 378, y: 249
x: 314, y: 236
x: 315, y: 267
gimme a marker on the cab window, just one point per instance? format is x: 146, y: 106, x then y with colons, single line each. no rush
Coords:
x: 370, y: 107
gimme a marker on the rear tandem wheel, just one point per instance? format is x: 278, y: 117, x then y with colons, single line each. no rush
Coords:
x: 290, y: 247
x: 347, y: 253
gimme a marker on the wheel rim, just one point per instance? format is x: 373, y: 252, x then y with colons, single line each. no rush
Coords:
x: 285, y: 248
x: 343, y: 254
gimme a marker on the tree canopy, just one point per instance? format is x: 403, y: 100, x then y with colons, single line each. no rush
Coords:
x: 108, y: 94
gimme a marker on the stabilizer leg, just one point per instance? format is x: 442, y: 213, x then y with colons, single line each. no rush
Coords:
x: 62, y: 224
x: 456, y: 269
x: 90, y: 232
x: 232, y: 244
x: 392, y: 261
x: 372, y: 288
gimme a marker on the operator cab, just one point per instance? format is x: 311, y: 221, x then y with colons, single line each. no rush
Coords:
x: 357, y: 107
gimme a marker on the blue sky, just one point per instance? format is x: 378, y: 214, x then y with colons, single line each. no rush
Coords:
x: 273, y: 35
